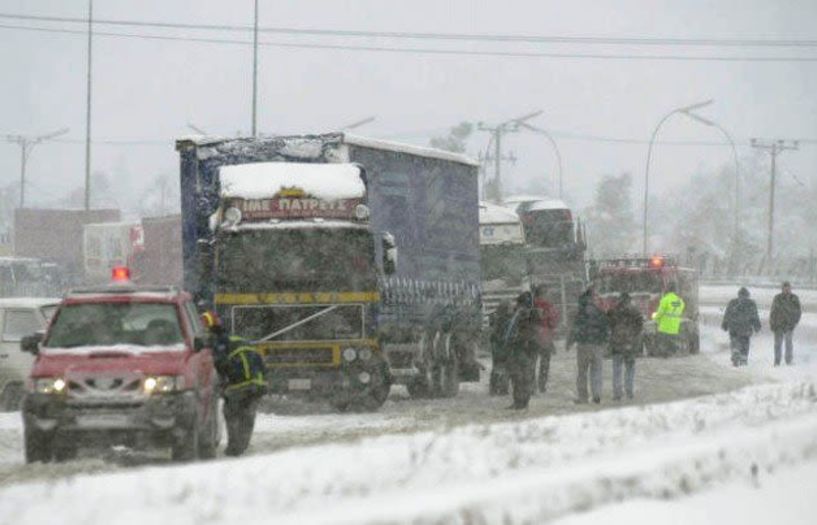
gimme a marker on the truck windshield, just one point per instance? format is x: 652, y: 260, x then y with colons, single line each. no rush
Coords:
x: 630, y: 282
x: 548, y: 228
x: 108, y: 324
x: 302, y: 259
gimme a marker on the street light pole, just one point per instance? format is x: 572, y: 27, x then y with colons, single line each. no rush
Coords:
x: 685, y: 110
x: 552, y: 141
x: 774, y: 148
x: 712, y: 123
x: 255, y: 73
x: 88, y: 108
x: 26, y: 145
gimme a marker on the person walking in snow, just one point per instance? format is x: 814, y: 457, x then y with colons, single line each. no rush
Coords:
x: 520, y: 341
x: 590, y: 333
x: 546, y: 332
x: 626, y: 324
x: 741, y: 321
x: 783, y: 318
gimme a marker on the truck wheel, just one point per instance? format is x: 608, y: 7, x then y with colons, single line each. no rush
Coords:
x: 64, y: 452
x: 37, y: 446
x: 374, y: 395
x: 694, y: 343
x: 420, y: 387
x: 208, y: 440
x: 186, y: 447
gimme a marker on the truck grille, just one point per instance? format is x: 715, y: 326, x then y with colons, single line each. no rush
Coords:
x: 300, y: 356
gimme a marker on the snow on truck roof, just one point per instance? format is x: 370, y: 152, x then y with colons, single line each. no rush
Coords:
x: 551, y: 204
x: 259, y: 180
x: 490, y: 213
x: 342, y: 138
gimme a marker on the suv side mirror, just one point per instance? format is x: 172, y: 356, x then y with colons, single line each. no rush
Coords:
x: 31, y: 343
x: 389, y: 253
x: 200, y: 343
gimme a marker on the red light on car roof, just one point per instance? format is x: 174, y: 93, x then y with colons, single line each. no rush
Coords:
x: 120, y: 274
x: 656, y: 262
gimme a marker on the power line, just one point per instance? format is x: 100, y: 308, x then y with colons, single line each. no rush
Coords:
x: 432, y: 51
x: 548, y: 39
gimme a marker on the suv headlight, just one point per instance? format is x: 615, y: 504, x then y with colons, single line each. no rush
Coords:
x: 48, y: 385
x: 162, y: 384
x: 365, y: 354
x: 349, y: 354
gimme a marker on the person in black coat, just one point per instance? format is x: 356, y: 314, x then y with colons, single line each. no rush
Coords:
x: 520, y: 341
x: 783, y: 318
x: 626, y: 325
x: 741, y: 321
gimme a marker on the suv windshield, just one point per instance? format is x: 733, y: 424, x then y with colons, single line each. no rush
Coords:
x: 314, y: 259
x: 107, y: 324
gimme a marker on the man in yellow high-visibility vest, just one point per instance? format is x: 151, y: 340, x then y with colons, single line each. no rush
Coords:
x: 668, y: 319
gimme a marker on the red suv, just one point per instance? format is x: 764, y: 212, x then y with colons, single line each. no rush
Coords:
x: 121, y: 365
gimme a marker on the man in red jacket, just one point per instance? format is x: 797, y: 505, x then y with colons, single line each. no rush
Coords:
x: 545, y: 334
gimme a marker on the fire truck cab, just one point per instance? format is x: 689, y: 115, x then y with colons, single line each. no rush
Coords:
x: 646, y: 279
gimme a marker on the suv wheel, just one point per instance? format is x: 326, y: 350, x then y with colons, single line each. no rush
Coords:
x: 37, y: 446
x: 187, y: 446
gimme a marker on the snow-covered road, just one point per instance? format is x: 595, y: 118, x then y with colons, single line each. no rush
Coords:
x: 696, y: 423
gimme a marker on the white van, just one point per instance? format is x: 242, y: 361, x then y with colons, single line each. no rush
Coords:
x: 19, y: 317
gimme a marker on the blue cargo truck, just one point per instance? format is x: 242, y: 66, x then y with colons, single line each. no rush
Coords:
x: 350, y: 263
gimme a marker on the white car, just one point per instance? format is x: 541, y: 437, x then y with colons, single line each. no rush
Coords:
x: 19, y: 317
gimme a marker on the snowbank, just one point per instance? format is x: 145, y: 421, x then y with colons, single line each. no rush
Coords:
x: 262, y: 180
x: 512, y: 472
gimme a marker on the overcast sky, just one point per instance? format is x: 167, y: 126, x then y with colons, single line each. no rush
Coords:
x: 147, y: 90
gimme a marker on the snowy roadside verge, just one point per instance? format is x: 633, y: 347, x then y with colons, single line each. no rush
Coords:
x: 532, y: 470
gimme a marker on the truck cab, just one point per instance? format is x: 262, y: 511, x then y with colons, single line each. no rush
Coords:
x: 121, y: 364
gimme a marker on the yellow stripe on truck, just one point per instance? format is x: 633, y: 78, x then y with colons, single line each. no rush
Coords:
x: 297, y: 298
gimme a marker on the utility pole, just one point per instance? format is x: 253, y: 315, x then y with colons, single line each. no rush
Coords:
x: 255, y: 73
x: 26, y: 145
x: 509, y: 126
x: 774, y: 147
x: 88, y: 109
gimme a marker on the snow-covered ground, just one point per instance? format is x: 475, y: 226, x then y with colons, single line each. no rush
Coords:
x: 700, y: 434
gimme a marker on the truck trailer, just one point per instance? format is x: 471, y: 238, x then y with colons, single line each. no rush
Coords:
x: 350, y: 263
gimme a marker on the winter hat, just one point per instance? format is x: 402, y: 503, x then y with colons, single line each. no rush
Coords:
x: 743, y: 292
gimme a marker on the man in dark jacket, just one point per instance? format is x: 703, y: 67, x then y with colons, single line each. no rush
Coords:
x: 545, y: 333
x: 741, y: 321
x: 498, y: 384
x: 589, y: 332
x: 626, y: 324
x: 520, y: 340
x: 785, y: 315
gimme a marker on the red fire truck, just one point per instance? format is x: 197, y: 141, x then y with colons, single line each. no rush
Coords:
x: 645, y: 279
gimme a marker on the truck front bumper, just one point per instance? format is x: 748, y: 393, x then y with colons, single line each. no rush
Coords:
x: 158, y: 417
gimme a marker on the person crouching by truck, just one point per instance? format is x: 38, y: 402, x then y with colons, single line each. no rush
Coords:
x: 741, y: 321
x: 546, y: 332
x: 520, y: 342
x: 626, y: 325
x: 241, y: 370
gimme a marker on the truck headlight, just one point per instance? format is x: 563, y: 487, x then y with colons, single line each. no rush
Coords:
x: 365, y: 354
x: 48, y: 385
x: 349, y: 354
x: 162, y: 384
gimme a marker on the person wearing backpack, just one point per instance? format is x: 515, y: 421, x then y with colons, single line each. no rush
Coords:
x: 522, y: 349
x: 241, y: 370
